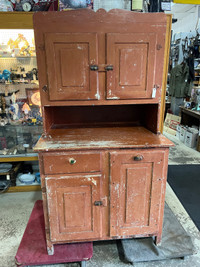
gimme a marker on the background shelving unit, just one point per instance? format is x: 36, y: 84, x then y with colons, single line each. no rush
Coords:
x: 18, y: 20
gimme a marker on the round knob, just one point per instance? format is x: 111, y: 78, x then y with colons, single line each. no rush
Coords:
x: 72, y: 161
x: 109, y: 67
x: 94, y: 67
x: 138, y: 157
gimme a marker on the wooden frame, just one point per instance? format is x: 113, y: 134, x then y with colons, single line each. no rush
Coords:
x: 16, y: 20
x: 165, y: 71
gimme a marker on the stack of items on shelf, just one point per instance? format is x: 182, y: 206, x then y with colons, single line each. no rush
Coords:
x: 18, y: 174
x: 20, y: 105
x: 8, y: 173
x: 30, y: 178
x: 20, y: 47
x: 26, y: 5
x: 16, y: 117
x: 188, y: 135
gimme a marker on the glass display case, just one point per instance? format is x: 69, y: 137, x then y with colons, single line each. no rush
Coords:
x: 20, y: 112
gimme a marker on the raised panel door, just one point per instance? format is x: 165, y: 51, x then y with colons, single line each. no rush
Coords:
x: 136, y: 188
x: 72, y: 213
x: 133, y: 57
x: 69, y: 57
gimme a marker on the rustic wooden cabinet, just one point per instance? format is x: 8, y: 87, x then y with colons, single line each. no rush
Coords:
x: 103, y: 161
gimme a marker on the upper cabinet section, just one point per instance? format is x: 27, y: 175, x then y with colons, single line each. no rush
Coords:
x: 101, y: 58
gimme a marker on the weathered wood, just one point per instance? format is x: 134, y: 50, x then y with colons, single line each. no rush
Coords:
x: 135, y: 192
x: 103, y: 164
x: 71, y: 209
x: 96, y: 138
x: 16, y: 20
x: 108, y: 35
x: 165, y: 71
x: 55, y: 163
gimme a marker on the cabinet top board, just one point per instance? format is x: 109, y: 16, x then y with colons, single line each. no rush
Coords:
x: 77, y: 15
x: 101, y: 138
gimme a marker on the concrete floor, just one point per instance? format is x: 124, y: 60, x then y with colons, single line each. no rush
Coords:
x: 16, y: 208
x: 181, y: 154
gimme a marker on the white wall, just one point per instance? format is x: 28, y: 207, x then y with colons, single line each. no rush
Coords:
x: 111, y: 4
x: 188, y: 18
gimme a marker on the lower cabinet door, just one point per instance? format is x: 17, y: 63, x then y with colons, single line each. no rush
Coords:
x: 72, y: 212
x: 137, y: 183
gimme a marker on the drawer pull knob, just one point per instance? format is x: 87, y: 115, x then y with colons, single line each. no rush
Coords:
x: 98, y: 203
x: 72, y: 161
x: 138, y: 158
x: 94, y: 67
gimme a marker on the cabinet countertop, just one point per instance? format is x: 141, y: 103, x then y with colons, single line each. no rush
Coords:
x: 101, y: 138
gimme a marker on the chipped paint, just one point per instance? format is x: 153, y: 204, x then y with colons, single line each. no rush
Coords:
x: 87, y: 177
x: 113, y: 97
x: 116, y: 187
x: 80, y: 47
x: 97, y: 96
x: 91, y: 179
x: 112, y: 139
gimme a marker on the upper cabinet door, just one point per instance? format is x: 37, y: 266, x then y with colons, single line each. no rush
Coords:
x: 69, y: 57
x: 133, y: 57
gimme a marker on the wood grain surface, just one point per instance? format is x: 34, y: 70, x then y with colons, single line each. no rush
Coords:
x: 104, y: 138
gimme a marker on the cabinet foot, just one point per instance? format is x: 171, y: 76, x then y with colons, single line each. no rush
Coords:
x: 50, y: 249
x: 157, y: 240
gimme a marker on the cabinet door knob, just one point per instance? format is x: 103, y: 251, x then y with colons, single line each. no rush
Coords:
x: 138, y: 157
x: 72, y: 161
x: 98, y: 203
x: 94, y: 67
x: 109, y: 67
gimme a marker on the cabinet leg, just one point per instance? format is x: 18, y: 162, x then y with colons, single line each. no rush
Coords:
x: 50, y: 248
x: 157, y: 240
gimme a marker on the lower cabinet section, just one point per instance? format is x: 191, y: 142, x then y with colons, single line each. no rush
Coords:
x: 129, y: 189
x: 72, y: 212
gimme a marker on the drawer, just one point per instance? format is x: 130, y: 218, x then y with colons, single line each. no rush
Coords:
x: 56, y: 163
x: 137, y: 156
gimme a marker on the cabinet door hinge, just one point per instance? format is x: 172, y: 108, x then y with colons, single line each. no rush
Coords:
x: 45, y: 88
x: 43, y: 189
x: 158, y: 46
x: 41, y: 47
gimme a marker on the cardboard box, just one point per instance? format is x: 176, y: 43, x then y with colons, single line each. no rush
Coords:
x: 191, y: 137
x: 171, y: 122
x: 178, y: 130
x: 183, y: 130
x: 198, y: 144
